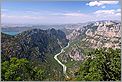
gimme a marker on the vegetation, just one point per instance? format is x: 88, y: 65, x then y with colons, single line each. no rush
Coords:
x: 106, y: 66
x: 38, y: 48
x: 29, y: 56
x: 21, y: 69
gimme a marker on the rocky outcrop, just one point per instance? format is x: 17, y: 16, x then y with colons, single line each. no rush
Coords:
x: 99, y: 34
x: 76, y: 55
x: 107, y: 35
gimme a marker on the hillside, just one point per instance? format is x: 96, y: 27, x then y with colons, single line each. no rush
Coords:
x: 94, y: 48
x: 37, y: 46
x: 95, y: 35
x: 98, y: 34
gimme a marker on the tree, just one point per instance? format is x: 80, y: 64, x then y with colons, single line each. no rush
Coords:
x: 20, y: 69
x: 105, y: 67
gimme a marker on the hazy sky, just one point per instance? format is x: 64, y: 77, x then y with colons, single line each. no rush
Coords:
x: 59, y: 12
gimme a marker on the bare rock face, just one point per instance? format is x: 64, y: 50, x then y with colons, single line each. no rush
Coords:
x: 76, y: 33
x: 73, y: 35
x: 107, y: 34
x: 73, y: 54
x: 108, y: 29
x: 89, y: 32
x: 76, y: 55
x: 99, y: 34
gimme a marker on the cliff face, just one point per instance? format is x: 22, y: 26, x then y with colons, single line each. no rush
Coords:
x: 107, y: 34
x: 33, y: 44
x: 85, y: 39
x: 99, y: 34
x: 93, y: 35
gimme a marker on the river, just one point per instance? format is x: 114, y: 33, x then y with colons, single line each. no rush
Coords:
x: 55, y: 57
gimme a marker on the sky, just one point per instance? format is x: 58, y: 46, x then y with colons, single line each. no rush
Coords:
x: 59, y: 12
